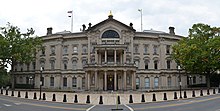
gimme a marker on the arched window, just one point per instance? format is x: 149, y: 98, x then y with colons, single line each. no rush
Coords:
x: 110, y: 34
x: 156, y: 64
x: 74, y: 64
x: 168, y: 64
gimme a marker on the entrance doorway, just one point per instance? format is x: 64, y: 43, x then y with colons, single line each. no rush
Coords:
x: 110, y: 82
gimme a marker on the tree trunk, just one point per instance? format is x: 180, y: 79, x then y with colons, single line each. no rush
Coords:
x: 12, y: 76
x: 208, y: 80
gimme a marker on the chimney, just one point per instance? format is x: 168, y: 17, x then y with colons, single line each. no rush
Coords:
x: 49, y: 30
x: 84, y: 27
x: 172, y: 30
x: 131, y: 25
x: 90, y: 25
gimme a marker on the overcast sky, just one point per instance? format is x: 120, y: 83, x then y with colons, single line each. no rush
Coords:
x: 157, y: 14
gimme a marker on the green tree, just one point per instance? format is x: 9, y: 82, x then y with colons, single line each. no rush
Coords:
x: 199, y: 53
x: 17, y: 46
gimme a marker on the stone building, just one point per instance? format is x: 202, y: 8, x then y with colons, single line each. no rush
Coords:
x: 107, y: 56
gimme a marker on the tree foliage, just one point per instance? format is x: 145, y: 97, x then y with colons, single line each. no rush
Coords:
x: 199, y: 52
x: 16, y: 46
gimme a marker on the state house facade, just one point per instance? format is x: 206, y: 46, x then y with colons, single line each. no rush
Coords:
x: 107, y: 56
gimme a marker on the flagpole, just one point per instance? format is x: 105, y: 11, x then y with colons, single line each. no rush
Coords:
x: 72, y: 22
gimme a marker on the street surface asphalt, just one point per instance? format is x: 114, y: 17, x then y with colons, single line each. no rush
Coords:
x: 206, y: 103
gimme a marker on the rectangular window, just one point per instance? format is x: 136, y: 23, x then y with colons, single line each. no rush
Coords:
x: 84, y: 49
x: 52, y: 48
x: 65, y: 50
x: 156, y: 82
x: 168, y: 64
x: 34, y: 65
x: 64, y: 82
x: 137, y: 83
x: 51, y: 81
x: 129, y: 79
x: 147, y: 82
x: 52, y: 63
x: 136, y: 48
x: 43, y: 51
x: 42, y: 80
x: 74, y: 82
x: 75, y: 49
x: 155, y: 49
x: 169, y: 82
x: 83, y: 82
x: 167, y: 49
x: 145, y: 49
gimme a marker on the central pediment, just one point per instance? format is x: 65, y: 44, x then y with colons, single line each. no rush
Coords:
x: 111, y: 23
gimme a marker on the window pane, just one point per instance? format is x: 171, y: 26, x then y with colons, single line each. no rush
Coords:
x: 64, y: 82
x: 147, y: 82
x: 156, y: 82
x: 51, y: 81
x: 74, y: 82
x: 137, y: 83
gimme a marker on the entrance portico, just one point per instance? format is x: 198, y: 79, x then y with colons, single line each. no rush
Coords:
x: 110, y: 80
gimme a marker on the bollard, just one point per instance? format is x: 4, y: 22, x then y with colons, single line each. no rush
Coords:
x: 64, y: 98
x: 164, y: 96
x: 44, y: 96
x: 208, y: 92
x: 130, y: 99
x: 175, y: 95
x: 214, y: 91
x: 54, y: 97
x: 201, y: 92
x: 142, y: 98
x: 75, y: 100
x: 35, y: 95
x: 88, y: 99
x: 154, y: 97
x: 26, y: 94
x: 6, y: 93
x: 185, y: 95
x: 193, y: 94
x: 19, y: 94
x: 100, y: 100
x: 12, y: 93
x: 119, y: 102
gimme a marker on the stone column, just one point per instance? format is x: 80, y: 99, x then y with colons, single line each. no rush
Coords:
x: 125, y: 80
x: 115, y: 52
x: 105, y: 56
x: 96, y: 81
x: 96, y: 57
x: 115, y: 80
x: 105, y: 81
x: 124, y: 57
x: 86, y: 81
x: 134, y: 81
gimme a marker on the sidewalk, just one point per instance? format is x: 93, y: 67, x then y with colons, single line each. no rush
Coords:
x: 109, y: 98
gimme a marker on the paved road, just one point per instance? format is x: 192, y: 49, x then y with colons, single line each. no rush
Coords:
x: 207, y: 103
x: 8, y: 103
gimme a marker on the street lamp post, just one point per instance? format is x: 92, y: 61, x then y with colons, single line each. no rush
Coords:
x: 140, y: 10
x: 30, y: 81
x: 41, y: 69
x: 180, y: 83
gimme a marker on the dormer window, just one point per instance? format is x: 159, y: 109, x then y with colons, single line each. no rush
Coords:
x: 110, y: 34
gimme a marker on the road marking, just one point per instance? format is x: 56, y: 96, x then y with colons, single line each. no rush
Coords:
x: 41, y: 105
x: 177, y: 104
x: 7, y: 105
x: 17, y: 103
x: 129, y: 107
x: 90, y: 108
x: 217, y: 110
